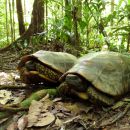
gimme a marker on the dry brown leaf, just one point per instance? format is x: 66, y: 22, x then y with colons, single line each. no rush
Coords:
x: 58, y: 122
x: 3, y: 120
x: 34, y: 112
x: 60, y: 115
x: 57, y: 99
x: 17, y: 100
x: 47, y: 104
x: 45, y: 98
x: 22, y: 122
x: 45, y: 119
x: 7, y: 78
x: 77, y: 108
x: 12, y: 126
x: 35, y: 107
x: 5, y: 96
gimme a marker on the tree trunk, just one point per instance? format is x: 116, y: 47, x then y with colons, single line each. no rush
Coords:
x: 46, y: 21
x: 37, y: 20
x: 68, y: 16
x: 11, y: 24
x: 13, y: 19
x: 112, y: 9
x: 128, y: 42
x: 20, y: 17
x: 75, y: 22
x: 7, y: 31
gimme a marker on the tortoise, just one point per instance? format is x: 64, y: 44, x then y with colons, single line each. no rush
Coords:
x: 100, y: 77
x: 44, y: 66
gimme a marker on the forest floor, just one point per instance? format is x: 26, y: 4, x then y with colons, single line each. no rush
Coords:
x: 57, y: 114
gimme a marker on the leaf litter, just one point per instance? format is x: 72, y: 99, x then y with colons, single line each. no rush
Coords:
x: 58, y: 114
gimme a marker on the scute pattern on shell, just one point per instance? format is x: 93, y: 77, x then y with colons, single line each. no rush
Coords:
x: 109, y: 72
x: 54, y: 65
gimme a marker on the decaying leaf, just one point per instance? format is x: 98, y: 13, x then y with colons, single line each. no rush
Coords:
x: 47, y: 104
x: 12, y: 126
x: 3, y: 120
x: 77, y: 108
x: 58, y: 122
x: 34, y: 112
x: 7, y: 78
x: 22, y: 122
x: 39, y: 115
x: 5, y: 96
x: 45, y: 119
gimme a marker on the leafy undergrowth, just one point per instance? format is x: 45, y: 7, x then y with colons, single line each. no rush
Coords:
x: 55, y: 113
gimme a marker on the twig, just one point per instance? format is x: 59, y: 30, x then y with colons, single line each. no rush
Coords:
x: 71, y: 120
x: 11, y: 109
x: 14, y: 86
x: 117, y: 117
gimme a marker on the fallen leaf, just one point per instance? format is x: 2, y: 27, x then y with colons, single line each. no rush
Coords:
x: 58, y: 122
x: 12, y: 126
x: 45, y: 119
x: 22, y: 122
x: 34, y: 112
x: 3, y: 120
x: 7, y: 78
x: 5, y: 96
x: 57, y: 99
x: 48, y: 104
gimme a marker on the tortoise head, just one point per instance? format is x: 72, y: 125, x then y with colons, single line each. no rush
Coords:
x: 76, y: 82
x: 73, y: 85
x: 30, y: 65
x: 24, y: 59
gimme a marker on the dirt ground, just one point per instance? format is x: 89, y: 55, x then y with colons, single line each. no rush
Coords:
x: 69, y: 114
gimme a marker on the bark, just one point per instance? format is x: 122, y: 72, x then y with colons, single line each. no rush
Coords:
x: 75, y: 22
x: 20, y: 17
x: 37, y: 20
x: 68, y: 16
x: 128, y: 42
x: 11, y: 23
x: 7, y: 32
x: 46, y: 21
x: 112, y: 9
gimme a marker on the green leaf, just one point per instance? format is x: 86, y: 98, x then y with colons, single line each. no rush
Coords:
x: 128, y: 2
x: 82, y: 24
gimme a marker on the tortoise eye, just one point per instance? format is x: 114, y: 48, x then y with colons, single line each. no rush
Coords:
x: 30, y: 65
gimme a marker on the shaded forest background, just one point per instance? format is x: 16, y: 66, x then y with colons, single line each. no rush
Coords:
x: 75, y: 26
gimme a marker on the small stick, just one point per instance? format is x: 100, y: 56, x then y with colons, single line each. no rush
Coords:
x: 14, y: 86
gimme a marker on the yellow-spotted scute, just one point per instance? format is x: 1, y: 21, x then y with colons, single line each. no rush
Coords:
x: 47, y: 72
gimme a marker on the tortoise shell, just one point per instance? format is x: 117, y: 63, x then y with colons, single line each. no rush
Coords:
x: 108, y: 72
x: 54, y: 64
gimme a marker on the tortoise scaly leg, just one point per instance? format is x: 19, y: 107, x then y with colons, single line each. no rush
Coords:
x: 82, y: 95
x: 64, y: 89
x: 95, y: 95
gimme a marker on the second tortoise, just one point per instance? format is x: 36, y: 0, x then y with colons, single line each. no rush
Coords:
x: 100, y: 77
